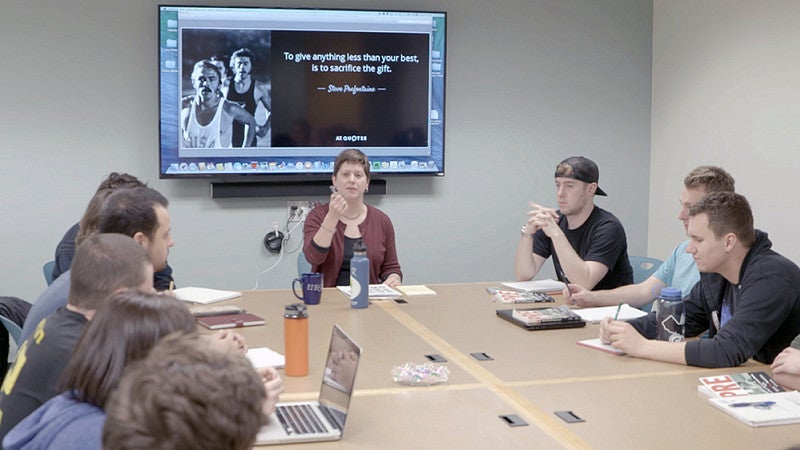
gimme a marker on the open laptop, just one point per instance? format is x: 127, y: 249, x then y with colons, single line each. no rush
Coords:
x: 321, y: 420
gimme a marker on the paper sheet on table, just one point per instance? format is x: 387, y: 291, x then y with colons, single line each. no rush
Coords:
x: 535, y: 285
x: 594, y: 315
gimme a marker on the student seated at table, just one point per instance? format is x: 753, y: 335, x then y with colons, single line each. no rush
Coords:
x: 140, y: 213
x: 587, y: 243
x: 122, y: 331
x: 748, y: 297
x: 679, y: 270
x: 185, y: 395
x: 331, y: 230
x: 103, y: 264
x: 65, y: 250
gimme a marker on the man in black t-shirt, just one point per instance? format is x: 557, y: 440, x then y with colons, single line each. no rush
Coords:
x: 103, y: 264
x: 587, y: 243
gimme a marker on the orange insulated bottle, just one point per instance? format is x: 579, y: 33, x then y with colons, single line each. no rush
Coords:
x: 295, y: 338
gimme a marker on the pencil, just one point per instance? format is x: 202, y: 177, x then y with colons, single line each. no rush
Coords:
x: 616, y: 315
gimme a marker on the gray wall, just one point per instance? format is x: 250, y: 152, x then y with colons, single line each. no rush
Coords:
x: 726, y: 77
x: 529, y: 83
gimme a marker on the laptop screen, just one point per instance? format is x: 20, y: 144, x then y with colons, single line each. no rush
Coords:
x: 340, y: 374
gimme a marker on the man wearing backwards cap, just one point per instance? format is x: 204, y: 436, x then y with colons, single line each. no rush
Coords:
x: 587, y: 243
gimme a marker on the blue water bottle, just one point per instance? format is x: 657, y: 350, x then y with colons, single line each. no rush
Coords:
x: 359, y: 276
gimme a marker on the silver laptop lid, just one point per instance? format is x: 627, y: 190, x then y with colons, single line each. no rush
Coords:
x: 339, y: 375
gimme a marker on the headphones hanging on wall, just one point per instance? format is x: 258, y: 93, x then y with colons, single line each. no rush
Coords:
x: 274, y: 239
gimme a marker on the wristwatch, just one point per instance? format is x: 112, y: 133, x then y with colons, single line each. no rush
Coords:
x: 523, y: 233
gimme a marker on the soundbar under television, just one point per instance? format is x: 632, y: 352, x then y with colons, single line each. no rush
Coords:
x: 265, y: 93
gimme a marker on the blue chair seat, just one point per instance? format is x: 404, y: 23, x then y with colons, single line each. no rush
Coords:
x: 47, y: 268
x: 303, y: 266
x: 13, y: 329
x: 643, y: 268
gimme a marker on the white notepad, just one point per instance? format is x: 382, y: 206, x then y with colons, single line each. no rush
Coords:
x: 204, y: 295
x: 593, y: 315
x: 264, y: 357
x: 535, y: 285
x: 415, y: 289
x: 597, y: 344
x: 778, y: 408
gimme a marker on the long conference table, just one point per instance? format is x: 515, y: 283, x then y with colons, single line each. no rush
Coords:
x: 625, y: 402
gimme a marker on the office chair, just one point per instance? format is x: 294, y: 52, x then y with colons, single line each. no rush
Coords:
x: 643, y: 267
x: 13, y: 329
x: 303, y: 266
x: 48, y: 271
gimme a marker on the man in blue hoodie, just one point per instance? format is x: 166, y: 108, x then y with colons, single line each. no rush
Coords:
x: 748, y: 297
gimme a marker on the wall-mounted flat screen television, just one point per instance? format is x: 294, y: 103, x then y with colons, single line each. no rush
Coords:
x: 274, y: 93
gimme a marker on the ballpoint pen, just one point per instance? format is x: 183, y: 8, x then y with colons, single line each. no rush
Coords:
x: 754, y: 404
x: 566, y: 281
x: 564, y: 276
x: 616, y: 315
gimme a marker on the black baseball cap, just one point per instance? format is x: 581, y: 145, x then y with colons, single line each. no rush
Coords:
x: 581, y: 169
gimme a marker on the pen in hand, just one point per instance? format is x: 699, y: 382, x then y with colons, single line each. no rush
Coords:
x: 566, y: 283
x: 564, y: 276
x: 616, y: 315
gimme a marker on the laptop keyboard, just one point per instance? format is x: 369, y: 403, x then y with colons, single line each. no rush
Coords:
x: 299, y: 419
x: 336, y: 422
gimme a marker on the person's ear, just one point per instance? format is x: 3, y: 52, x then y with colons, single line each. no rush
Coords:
x: 730, y: 241
x: 141, y: 238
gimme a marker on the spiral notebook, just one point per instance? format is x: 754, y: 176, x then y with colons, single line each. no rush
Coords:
x: 777, y: 408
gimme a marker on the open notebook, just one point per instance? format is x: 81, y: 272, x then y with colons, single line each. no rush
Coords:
x: 324, y: 419
x: 376, y: 292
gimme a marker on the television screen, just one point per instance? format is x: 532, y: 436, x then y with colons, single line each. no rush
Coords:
x: 269, y: 92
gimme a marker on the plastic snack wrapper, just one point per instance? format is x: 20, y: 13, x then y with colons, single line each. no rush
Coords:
x: 426, y: 374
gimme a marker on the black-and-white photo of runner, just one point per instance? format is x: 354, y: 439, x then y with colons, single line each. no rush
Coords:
x: 226, y: 88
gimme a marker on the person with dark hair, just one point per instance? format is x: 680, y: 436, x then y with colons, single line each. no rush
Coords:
x: 679, y: 270
x: 748, y: 297
x: 90, y: 222
x: 187, y: 395
x: 65, y: 249
x: 245, y: 91
x: 103, y: 264
x: 123, y: 330
x: 587, y: 243
x: 332, y: 229
x: 140, y: 213
x: 207, y: 119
